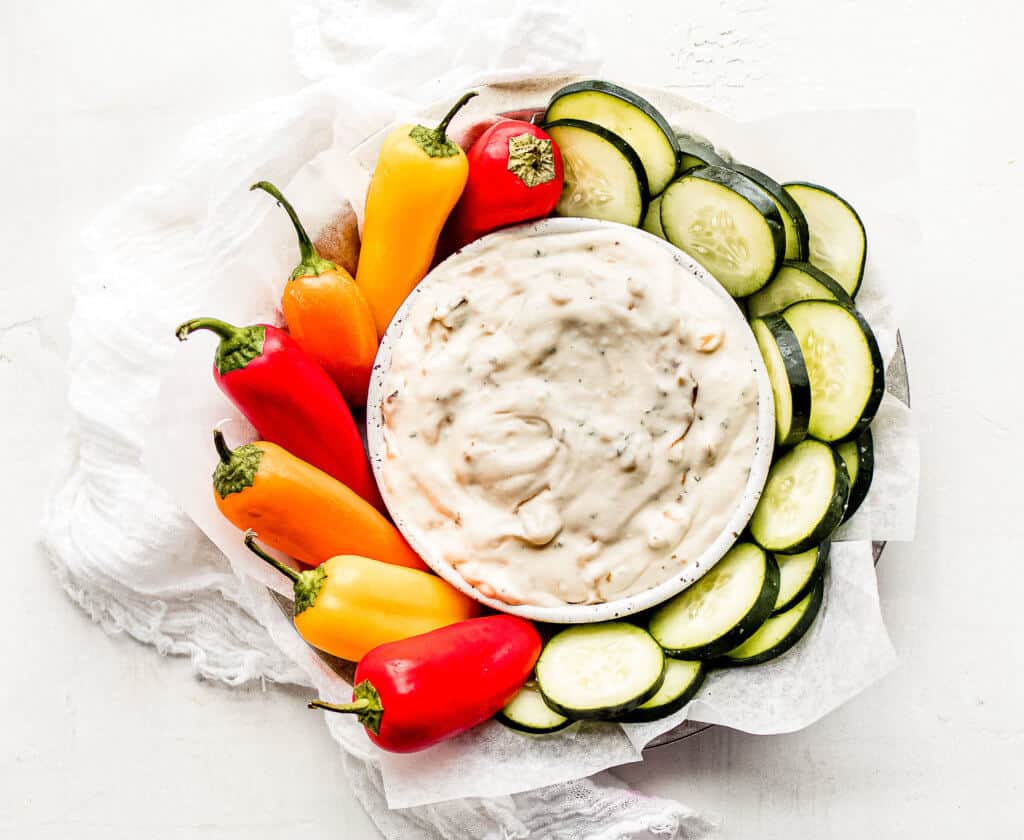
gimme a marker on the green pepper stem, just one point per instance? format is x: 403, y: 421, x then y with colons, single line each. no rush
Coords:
x: 221, y: 445
x: 355, y: 707
x: 214, y: 325
x: 443, y: 125
x: 366, y: 705
x: 254, y: 547
x: 306, y: 249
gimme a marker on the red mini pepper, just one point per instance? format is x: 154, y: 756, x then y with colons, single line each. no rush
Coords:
x: 415, y: 692
x: 290, y: 400
x: 515, y: 174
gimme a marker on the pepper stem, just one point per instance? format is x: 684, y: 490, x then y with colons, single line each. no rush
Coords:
x: 366, y: 705
x: 355, y: 707
x: 215, y: 325
x: 307, y: 251
x: 443, y: 125
x: 254, y: 547
x: 221, y: 445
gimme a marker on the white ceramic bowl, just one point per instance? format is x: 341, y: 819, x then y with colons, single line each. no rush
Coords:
x: 582, y: 613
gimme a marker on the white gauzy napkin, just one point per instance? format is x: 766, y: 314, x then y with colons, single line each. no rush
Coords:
x: 123, y: 550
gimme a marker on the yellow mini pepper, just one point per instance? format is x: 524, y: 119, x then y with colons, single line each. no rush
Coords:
x: 419, y: 177
x: 349, y: 605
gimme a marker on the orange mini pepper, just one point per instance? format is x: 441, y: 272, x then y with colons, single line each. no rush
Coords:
x: 349, y: 605
x: 300, y: 510
x: 327, y: 314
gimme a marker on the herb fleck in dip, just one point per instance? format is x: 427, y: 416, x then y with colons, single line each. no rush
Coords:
x: 571, y: 417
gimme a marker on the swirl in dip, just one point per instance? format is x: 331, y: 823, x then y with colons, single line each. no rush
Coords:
x: 569, y: 417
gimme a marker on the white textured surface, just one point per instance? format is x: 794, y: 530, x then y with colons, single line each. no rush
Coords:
x: 124, y: 744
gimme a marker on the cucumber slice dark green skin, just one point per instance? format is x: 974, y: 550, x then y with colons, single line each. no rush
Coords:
x: 693, y: 153
x: 754, y: 618
x: 604, y: 712
x: 652, y: 218
x: 518, y: 726
x: 877, y: 390
x: 596, y: 711
x: 830, y: 518
x: 862, y: 470
x: 794, y: 250
x: 531, y: 730
x: 647, y: 712
x: 507, y: 717
x: 622, y: 147
x: 820, y: 563
x: 814, y: 598
x: 796, y: 376
x: 745, y: 190
x: 631, y: 98
x: 852, y: 283
x: 829, y: 289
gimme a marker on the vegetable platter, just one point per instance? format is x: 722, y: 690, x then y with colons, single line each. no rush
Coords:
x: 792, y: 254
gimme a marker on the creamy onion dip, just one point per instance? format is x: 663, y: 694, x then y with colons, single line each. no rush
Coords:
x: 568, y: 418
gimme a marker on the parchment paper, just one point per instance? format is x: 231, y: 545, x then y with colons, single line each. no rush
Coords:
x: 303, y: 144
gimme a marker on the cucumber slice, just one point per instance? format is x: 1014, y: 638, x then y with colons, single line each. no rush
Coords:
x: 728, y: 224
x: 627, y: 115
x: 683, y: 679
x: 848, y: 452
x: 798, y: 573
x: 859, y: 457
x: 793, y: 282
x: 792, y: 216
x: 803, y: 500
x: 844, y: 366
x: 527, y: 712
x: 694, y: 153
x: 594, y: 671
x: 604, y: 178
x: 652, y: 219
x: 780, y: 632
x: 722, y: 608
x: 788, y: 376
x: 838, y: 244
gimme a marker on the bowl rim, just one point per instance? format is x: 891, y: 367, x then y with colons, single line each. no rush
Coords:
x: 607, y: 610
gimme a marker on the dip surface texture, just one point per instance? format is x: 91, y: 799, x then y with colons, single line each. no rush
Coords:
x: 570, y: 417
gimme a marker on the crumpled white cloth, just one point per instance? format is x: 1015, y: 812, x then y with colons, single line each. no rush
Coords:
x: 121, y: 548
